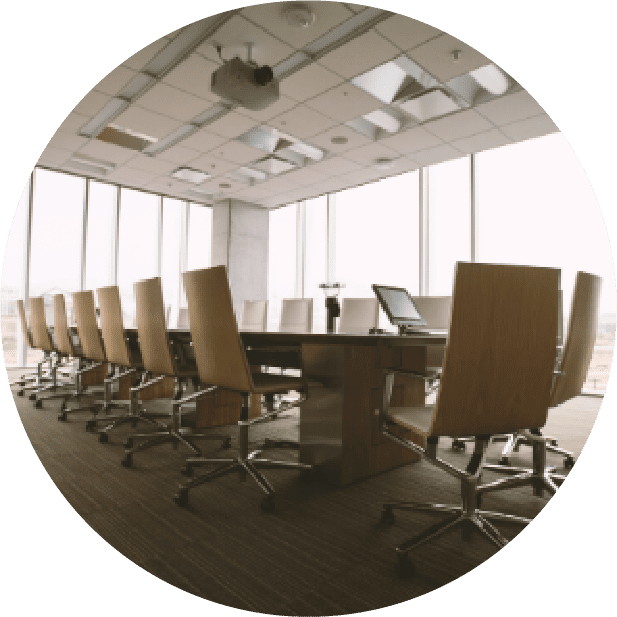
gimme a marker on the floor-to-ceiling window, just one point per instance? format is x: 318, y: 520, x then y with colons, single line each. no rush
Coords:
x: 200, y: 237
x: 316, y: 226
x: 174, y: 213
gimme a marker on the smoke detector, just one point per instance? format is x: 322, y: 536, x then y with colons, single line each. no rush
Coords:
x: 298, y: 15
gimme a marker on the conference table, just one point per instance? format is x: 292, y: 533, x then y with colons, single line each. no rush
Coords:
x: 339, y: 422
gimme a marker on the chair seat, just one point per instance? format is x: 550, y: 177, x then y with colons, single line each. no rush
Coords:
x: 269, y: 383
x: 418, y: 419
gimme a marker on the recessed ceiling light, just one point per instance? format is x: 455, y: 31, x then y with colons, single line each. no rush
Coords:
x: 298, y: 15
x: 456, y: 55
x: 339, y: 140
x: 384, y: 163
x: 190, y: 175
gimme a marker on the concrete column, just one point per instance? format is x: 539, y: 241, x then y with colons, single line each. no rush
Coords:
x: 240, y: 242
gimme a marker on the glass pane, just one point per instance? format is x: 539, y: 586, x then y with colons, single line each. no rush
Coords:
x: 200, y: 237
x: 377, y: 237
x: 170, y: 264
x: 537, y: 207
x: 449, y: 223
x: 137, y: 252
x: 101, y: 235
x: 13, y: 271
x: 315, y: 264
x: 281, y: 261
x: 57, y: 225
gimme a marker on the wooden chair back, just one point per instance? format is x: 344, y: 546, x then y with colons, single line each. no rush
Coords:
x: 435, y: 310
x: 112, y: 329
x: 151, y: 330
x: 254, y: 316
x: 219, y: 352
x: 582, y: 331
x: 359, y: 315
x: 87, y: 326
x: 500, y: 354
x: 296, y: 315
x: 62, y: 338
x: 38, y: 325
x: 24, y: 323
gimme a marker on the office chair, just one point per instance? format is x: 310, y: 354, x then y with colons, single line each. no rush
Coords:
x: 296, y: 315
x: 568, y: 383
x: 359, y: 315
x: 254, y: 316
x: 497, y: 375
x: 164, y: 362
x: 222, y: 364
x: 183, y: 317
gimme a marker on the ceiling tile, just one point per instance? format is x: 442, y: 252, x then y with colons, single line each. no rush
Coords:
x: 203, y: 141
x: 481, y: 141
x: 531, y: 127
x: 146, y: 122
x: 354, y: 139
x: 335, y: 165
x: 130, y: 176
x: 510, y: 108
x: 225, y: 186
x: 405, y: 32
x: 107, y: 152
x: 115, y: 81
x: 283, y: 104
x: 436, y: 57
x: 141, y: 58
x: 411, y: 140
x: 237, y: 32
x: 172, y: 102
x: 193, y: 76
x: 457, y: 125
x: 167, y: 185
x: 344, y: 102
x: 237, y: 152
x: 307, y: 176
x: 278, y: 185
x: 269, y: 17
x: 302, y: 122
x: 152, y: 164
x: 254, y: 192
x: 67, y: 141
x: 309, y: 81
x: 366, y: 155
x: 356, y: 178
x: 92, y: 103
x: 179, y: 154
x: 438, y: 154
x: 352, y: 58
x: 212, y: 165
x: 231, y: 125
x: 54, y: 157
x: 73, y: 122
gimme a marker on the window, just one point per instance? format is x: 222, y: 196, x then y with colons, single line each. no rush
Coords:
x: 174, y: 212
x: 315, y: 258
x: 200, y: 237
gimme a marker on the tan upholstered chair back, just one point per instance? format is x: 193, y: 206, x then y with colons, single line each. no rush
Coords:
x: 435, y: 310
x: 500, y: 355
x: 254, y: 316
x: 582, y: 331
x: 219, y: 352
x: 38, y: 325
x: 112, y: 329
x: 359, y: 315
x: 24, y: 324
x: 61, y: 327
x: 296, y: 315
x: 87, y: 326
x: 151, y: 330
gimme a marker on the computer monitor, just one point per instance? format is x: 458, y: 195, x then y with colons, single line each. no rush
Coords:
x: 399, y: 307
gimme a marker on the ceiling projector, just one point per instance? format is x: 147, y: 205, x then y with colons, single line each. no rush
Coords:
x: 246, y: 84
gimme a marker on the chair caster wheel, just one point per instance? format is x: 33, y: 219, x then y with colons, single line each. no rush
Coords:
x: 267, y: 504
x: 103, y: 437
x: 504, y: 461
x: 62, y: 417
x: 182, y: 497
x: 387, y: 516
x: 187, y: 471
x: 568, y: 463
x: 20, y: 392
x: 127, y: 461
x: 458, y: 446
x: 32, y: 397
x: 405, y: 566
x: 227, y: 443
x: 128, y: 444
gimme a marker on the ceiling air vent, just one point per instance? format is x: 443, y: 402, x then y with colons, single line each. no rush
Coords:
x: 126, y: 138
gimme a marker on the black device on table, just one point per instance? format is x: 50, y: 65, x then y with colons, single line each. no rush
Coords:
x: 400, y: 309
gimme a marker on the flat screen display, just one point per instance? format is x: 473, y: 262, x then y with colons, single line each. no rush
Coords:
x: 398, y: 306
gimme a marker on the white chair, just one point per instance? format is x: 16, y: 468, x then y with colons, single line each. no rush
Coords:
x: 296, y: 315
x: 359, y: 315
x: 435, y: 310
x: 183, y: 318
x: 254, y: 316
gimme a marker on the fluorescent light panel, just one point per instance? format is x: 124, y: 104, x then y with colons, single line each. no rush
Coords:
x: 180, y: 133
x: 87, y: 164
x: 187, y: 174
x: 383, y: 120
x: 111, y: 109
